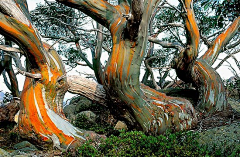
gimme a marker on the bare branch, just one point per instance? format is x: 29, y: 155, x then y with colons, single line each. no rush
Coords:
x: 6, y: 80
x: 27, y: 74
x: 192, y: 31
x: 87, y: 88
x: 16, y: 59
x: 97, y: 66
x: 76, y: 28
x: 10, y: 49
x: 233, y: 45
x: 223, y: 60
x: 151, y: 72
x: 206, y: 41
x: 68, y: 40
x: 54, y: 44
x: 173, y: 7
x: 236, y: 61
x: 81, y: 64
x: 165, y: 44
x: 172, y: 25
x: 79, y: 49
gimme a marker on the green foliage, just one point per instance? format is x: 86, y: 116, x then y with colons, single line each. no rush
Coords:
x: 7, y: 98
x: 87, y: 150
x: 83, y: 123
x: 136, y: 143
x: 233, y: 87
x: 216, y: 12
x: 71, y: 54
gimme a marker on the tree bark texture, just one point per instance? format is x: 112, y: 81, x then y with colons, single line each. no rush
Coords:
x: 41, y: 117
x: 6, y: 64
x: 212, y: 95
x: 8, y: 111
x: 154, y: 112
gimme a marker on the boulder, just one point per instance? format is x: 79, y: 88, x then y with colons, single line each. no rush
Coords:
x: 24, y: 146
x: 77, y: 105
x: 120, y: 126
x: 69, y: 111
x: 89, y: 115
x: 4, y: 153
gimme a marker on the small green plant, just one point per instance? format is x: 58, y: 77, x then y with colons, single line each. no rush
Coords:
x: 87, y: 150
x: 136, y: 143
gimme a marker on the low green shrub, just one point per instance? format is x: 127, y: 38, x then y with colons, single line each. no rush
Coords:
x: 136, y: 143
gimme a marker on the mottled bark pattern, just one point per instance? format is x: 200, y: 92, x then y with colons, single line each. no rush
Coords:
x: 41, y: 118
x: 128, y: 24
x: 212, y: 95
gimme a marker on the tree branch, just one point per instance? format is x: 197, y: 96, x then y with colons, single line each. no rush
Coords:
x: 171, y: 25
x: 12, y: 26
x: 10, y: 49
x: 212, y: 53
x: 223, y: 60
x: 173, y: 7
x: 165, y: 44
x: 230, y: 46
x: 134, y: 19
x: 6, y: 80
x: 151, y: 72
x: 192, y: 31
x: 97, y: 56
x: 206, y: 41
x: 100, y: 10
x: 87, y: 88
x: 77, y: 28
x: 30, y: 75
x: 79, y: 49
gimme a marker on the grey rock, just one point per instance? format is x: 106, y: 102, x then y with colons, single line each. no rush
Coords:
x: 89, y: 115
x: 4, y: 153
x: 24, y: 146
x: 69, y: 111
x: 77, y: 105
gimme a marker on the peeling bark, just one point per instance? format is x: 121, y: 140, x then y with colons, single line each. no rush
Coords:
x: 128, y: 23
x: 87, y: 88
x: 41, y: 117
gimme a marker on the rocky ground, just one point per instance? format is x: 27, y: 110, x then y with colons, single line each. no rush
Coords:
x: 222, y: 129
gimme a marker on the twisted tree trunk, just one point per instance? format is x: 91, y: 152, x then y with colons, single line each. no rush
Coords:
x: 154, y: 112
x: 212, y: 95
x: 41, y: 118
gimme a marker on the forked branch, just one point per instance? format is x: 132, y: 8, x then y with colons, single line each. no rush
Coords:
x: 212, y: 53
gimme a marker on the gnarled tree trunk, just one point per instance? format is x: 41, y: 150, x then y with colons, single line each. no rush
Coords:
x: 41, y: 118
x: 212, y: 95
x: 153, y: 111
